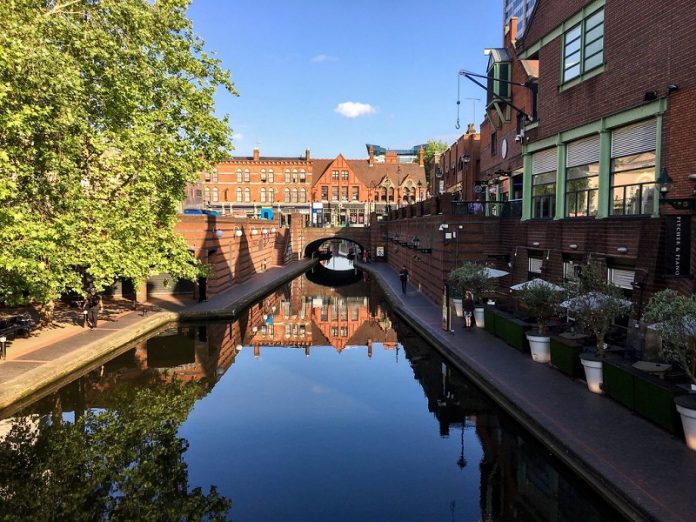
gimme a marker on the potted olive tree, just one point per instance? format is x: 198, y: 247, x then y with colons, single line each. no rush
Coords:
x: 673, y: 316
x: 474, y: 278
x: 542, y: 299
x: 595, y: 303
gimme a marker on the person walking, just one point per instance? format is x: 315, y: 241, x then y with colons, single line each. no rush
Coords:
x: 468, y: 309
x: 93, y: 305
x: 403, y: 275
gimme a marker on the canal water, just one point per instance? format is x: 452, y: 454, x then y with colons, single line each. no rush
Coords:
x: 315, y: 404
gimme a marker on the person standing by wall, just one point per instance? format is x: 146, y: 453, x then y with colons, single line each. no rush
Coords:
x: 468, y: 306
x: 93, y: 305
x: 403, y: 275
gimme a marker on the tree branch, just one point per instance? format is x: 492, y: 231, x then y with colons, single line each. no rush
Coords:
x: 60, y: 7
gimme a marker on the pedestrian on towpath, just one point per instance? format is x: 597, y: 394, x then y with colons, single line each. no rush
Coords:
x: 403, y: 275
x: 93, y: 305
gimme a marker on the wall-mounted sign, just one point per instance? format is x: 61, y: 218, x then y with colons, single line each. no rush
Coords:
x: 379, y: 251
x: 677, y: 258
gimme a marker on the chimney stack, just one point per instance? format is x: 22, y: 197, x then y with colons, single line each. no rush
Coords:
x: 256, y: 154
x: 371, y: 160
x: 471, y: 129
x: 421, y: 157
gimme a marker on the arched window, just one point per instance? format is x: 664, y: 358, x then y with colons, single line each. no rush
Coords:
x: 247, y: 195
x: 247, y: 176
x: 302, y: 176
x: 391, y: 194
x: 287, y: 175
x: 216, y: 194
x: 294, y: 195
x: 303, y: 196
x: 227, y: 194
x: 270, y: 176
x: 239, y: 175
x: 263, y: 195
x: 239, y: 195
x: 263, y: 175
x: 271, y: 195
x: 294, y: 175
x: 286, y: 195
x: 206, y: 194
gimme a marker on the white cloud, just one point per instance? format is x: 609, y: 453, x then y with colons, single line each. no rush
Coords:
x: 237, y: 136
x: 320, y: 58
x: 354, y: 109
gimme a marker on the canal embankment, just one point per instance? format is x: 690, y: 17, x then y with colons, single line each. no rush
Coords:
x: 51, y: 357
x: 643, y: 470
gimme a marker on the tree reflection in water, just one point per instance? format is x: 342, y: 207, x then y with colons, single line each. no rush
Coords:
x: 124, y: 463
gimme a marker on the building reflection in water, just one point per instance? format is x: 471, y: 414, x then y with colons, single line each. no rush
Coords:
x: 518, y: 479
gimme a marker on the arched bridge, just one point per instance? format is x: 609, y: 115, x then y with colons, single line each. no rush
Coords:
x: 306, y: 240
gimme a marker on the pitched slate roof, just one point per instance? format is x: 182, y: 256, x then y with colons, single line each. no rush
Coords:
x: 373, y: 175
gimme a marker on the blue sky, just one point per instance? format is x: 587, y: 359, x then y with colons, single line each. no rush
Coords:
x: 306, y: 69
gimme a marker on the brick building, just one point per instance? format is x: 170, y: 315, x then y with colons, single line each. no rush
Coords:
x: 607, y: 167
x: 345, y: 192
x: 457, y: 171
x: 258, y: 186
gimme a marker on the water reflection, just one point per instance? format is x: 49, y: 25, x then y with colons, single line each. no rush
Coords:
x: 301, y: 409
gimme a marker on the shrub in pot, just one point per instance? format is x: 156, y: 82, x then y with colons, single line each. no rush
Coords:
x: 472, y: 277
x: 595, y: 303
x: 674, y: 317
x: 542, y: 300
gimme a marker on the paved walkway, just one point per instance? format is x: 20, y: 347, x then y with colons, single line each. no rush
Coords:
x: 642, y: 468
x: 47, y: 359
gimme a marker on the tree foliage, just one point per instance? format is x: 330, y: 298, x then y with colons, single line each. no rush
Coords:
x: 472, y: 277
x: 674, y: 317
x: 106, y: 112
x: 124, y: 463
x: 433, y: 147
x: 595, y: 302
x: 542, y: 301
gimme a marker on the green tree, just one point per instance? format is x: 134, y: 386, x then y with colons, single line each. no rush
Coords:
x: 106, y: 112
x: 125, y: 463
x: 433, y: 147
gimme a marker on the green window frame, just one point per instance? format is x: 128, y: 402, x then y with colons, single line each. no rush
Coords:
x: 633, y: 185
x: 583, y: 46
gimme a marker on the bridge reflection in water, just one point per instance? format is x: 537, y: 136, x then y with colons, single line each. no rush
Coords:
x: 309, y: 411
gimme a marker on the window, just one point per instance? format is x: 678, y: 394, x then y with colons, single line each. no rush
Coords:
x: 271, y: 195
x: 355, y: 196
x: 227, y: 194
x: 544, y: 184
x: 206, y: 194
x: 247, y: 176
x: 247, y: 195
x: 286, y: 195
x: 344, y: 175
x: 334, y: 175
x: 344, y: 193
x: 324, y: 193
x: 303, y: 177
x: 571, y: 269
x: 270, y: 176
x: 303, y: 196
x: 263, y: 195
x: 207, y: 176
x: 287, y: 175
x: 216, y: 194
x: 582, y: 177
x: 294, y: 195
x: 498, y: 78
x: 263, y: 175
x: 215, y: 176
x: 294, y: 175
x: 239, y: 175
x: 633, y: 169
x: 621, y: 277
x: 583, y: 46
x: 334, y: 193
x: 494, y: 144
x: 534, y: 269
x: 239, y: 195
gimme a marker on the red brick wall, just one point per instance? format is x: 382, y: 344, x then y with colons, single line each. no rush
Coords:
x: 233, y: 259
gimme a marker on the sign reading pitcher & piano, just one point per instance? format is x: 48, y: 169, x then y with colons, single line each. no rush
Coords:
x: 677, y: 258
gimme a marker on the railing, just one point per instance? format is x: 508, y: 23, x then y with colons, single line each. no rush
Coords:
x: 499, y: 209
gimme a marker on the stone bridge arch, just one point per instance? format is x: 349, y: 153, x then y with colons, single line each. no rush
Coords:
x: 306, y: 239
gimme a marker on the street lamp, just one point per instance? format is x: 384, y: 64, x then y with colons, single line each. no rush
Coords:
x: 465, y: 160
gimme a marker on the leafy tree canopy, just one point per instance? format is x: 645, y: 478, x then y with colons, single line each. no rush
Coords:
x: 124, y: 463
x: 433, y: 147
x: 106, y: 112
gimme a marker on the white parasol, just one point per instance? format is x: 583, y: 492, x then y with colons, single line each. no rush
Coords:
x: 534, y: 283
